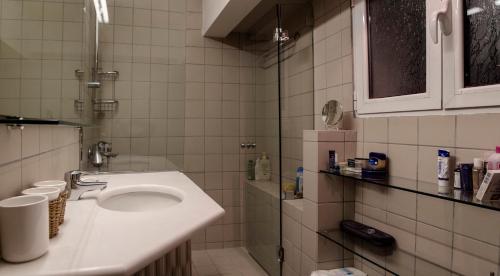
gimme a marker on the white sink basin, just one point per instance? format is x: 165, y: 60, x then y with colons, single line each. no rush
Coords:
x: 140, y: 198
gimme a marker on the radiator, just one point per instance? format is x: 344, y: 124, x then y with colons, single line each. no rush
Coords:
x: 175, y: 263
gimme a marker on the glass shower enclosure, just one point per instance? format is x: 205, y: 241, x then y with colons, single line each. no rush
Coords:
x: 282, y: 44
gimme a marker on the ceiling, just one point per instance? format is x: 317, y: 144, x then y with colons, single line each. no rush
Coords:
x: 261, y: 21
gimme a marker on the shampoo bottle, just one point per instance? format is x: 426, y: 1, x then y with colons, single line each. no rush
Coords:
x: 265, y: 165
x: 263, y: 168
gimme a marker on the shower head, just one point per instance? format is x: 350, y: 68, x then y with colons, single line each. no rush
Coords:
x: 280, y: 35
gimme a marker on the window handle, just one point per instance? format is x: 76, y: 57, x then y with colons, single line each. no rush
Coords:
x: 443, y: 17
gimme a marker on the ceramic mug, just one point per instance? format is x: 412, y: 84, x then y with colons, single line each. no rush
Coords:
x: 24, y: 227
x: 51, y: 183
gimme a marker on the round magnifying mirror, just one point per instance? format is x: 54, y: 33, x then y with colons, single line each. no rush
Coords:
x: 332, y: 113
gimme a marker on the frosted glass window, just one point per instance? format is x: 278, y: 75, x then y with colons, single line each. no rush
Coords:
x: 482, y: 42
x: 396, y: 47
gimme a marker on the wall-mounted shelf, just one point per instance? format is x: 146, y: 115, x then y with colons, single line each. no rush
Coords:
x: 20, y: 121
x: 420, y: 187
x: 381, y: 258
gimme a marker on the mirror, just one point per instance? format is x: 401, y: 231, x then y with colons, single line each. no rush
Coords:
x: 332, y: 113
x: 45, y: 59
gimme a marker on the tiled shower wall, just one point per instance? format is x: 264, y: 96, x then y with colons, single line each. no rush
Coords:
x: 35, y: 153
x: 455, y: 236
x: 181, y: 96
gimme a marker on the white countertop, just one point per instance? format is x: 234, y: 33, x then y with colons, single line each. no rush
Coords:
x: 97, y: 241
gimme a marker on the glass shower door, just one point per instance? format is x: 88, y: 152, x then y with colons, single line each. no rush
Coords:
x: 284, y: 108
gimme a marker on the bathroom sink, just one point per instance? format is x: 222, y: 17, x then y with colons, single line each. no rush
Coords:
x: 140, y: 198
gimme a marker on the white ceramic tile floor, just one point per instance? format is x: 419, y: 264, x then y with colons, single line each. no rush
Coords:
x: 225, y: 262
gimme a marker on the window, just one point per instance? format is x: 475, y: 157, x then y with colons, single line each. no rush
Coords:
x: 425, y: 55
x: 472, y: 55
x: 392, y: 72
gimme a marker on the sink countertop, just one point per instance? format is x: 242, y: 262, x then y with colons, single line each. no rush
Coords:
x: 98, y: 241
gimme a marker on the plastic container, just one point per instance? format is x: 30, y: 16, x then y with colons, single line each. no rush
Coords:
x: 494, y: 160
x: 24, y: 227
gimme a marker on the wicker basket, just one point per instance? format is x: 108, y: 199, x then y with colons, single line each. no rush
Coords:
x: 62, y: 202
x: 54, y: 216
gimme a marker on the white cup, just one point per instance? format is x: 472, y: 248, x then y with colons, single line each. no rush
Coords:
x: 51, y: 183
x: 24, y: 227
x: 51, y: 192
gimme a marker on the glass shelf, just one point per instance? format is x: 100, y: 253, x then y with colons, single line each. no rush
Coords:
x: 387, y: 259
x: 422, y: 188
x: 18, y: 121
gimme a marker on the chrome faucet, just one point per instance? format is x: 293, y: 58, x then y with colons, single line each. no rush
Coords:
x: 79, y: 187
x: 98, y: 151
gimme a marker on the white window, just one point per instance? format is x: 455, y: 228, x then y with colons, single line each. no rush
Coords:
x: 472, y: 55
x: 426, y: 55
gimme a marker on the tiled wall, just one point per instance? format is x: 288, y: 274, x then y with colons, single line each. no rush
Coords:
x: 35, y: 153
x: 455, y: 236
x: 41, y: 49
x: 220, y: 114
x: 183, y: 97
x: 145, y: 43
x: 296, y: 97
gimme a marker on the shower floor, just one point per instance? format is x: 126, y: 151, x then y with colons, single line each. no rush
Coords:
x: 225, y: 262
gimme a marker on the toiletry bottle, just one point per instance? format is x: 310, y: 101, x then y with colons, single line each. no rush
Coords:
x: 494, y: 160
x: 251, y: 170
x: 332, y: 160
x: 476, y: 172
x: 443, y: 171
x: 466, y: 177
x: 456, y: 180
x: 299, y: 180
x: 258, y: 169
x: 482, y: 172
x: 265, y: 166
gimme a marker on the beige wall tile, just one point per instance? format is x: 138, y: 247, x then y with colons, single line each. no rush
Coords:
x: 423, y: 268
x: 435, y: 212
x: 436, y: 131
x: 401, y: 262
x: 10, y: 145
x: 375, y: 196
x: 11, y: 180
x: 434, y: 252
x: 403, y: 130
x: 478, y: 131
x: 466, y: 264
x: 409, y: 225
x: 402, y: 203
x: 321, y: 188
x: 435, y: 234
x: 477, y: 248
x: 376, y: 130
x: 403, y: 161
x: 477, y: 223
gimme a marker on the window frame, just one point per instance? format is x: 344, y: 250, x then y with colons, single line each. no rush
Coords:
x: 430, y: 100
x: 455, y: 95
